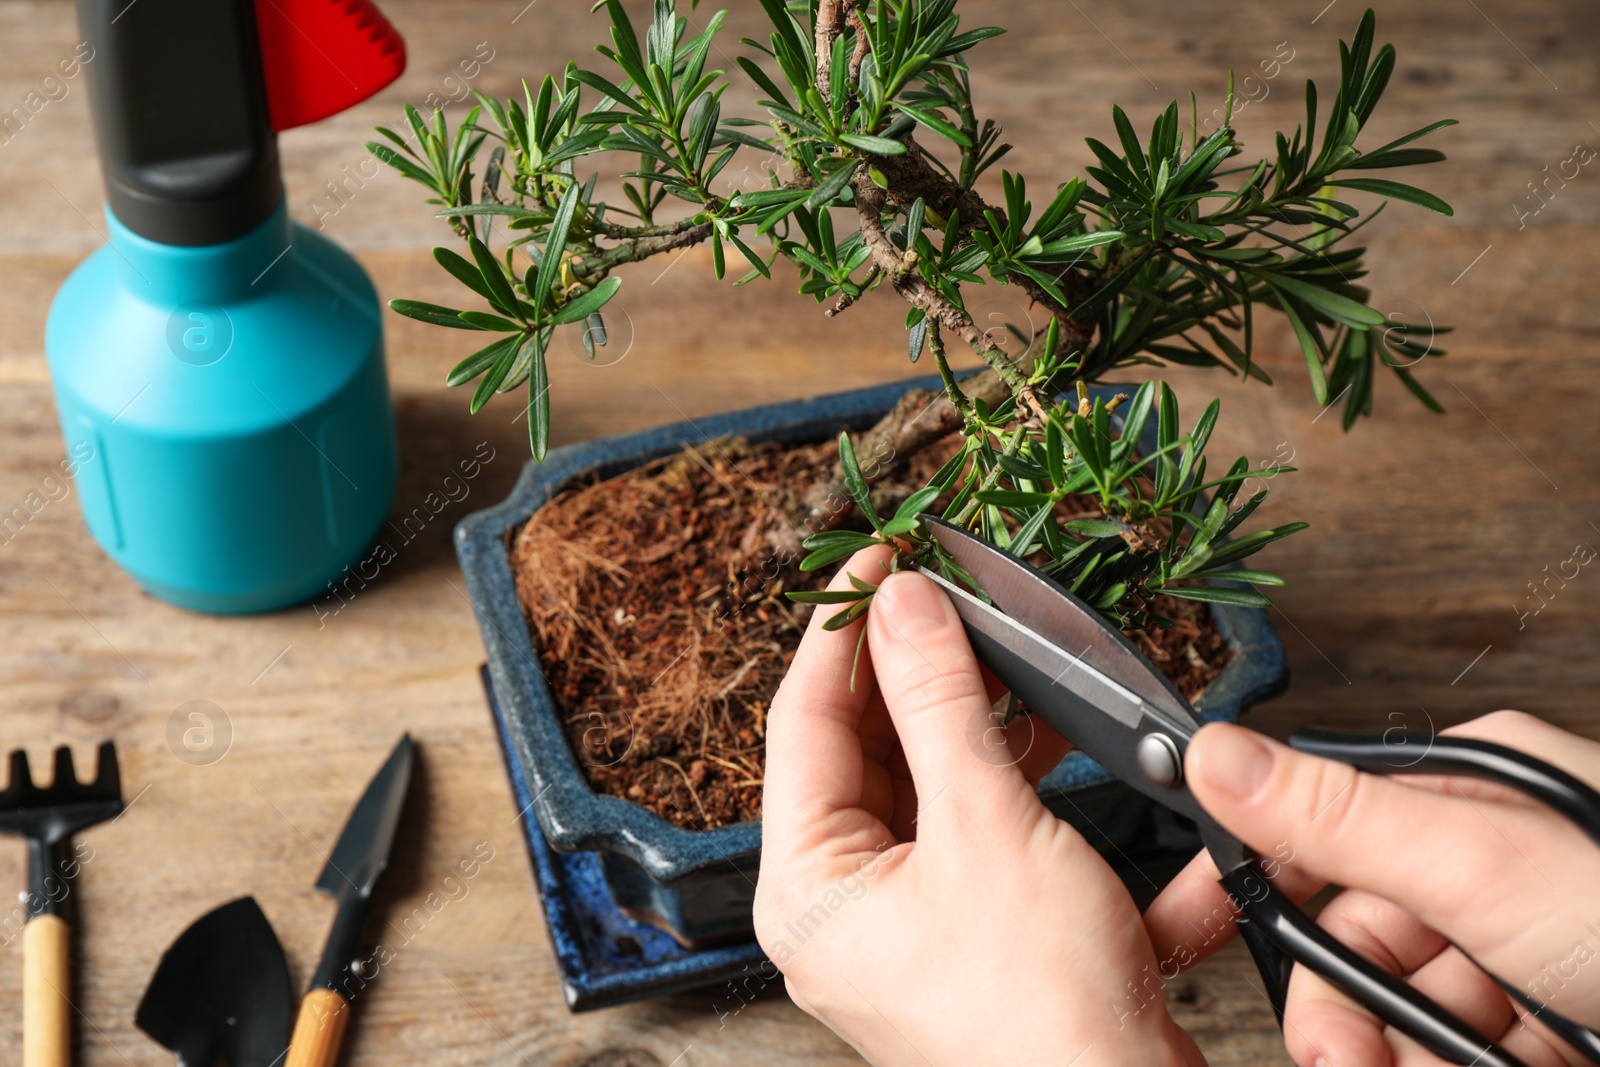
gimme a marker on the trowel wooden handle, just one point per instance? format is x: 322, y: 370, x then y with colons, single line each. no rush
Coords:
x: 46, y: 986
x: 319, y: 1031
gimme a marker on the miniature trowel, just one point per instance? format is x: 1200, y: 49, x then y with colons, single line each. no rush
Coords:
x: 220, y: 995
x: 349, y: 877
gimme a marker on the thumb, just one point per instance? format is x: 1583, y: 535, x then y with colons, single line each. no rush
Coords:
x: 955, y: 745
x: 1428, y: 852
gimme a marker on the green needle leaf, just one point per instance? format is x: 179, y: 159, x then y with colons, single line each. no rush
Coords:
x: 485, y: 321
x: 826, y: 596
x: 918, y: 502
x: 1310, y: 349
x: 496, y: 374
x: 538, y: 396
x: 555, y: 247
x: 1336, y: 306
x: 1397, y: 191
x: 856, y: 482
x: 432, y: 313
x: 496, y: 288
x: 1241, y: 598
x: 464, y: 272
x: 581, y: 307
x: 479, y: 361
x: 1093, y: 527
x: 878, y: 146
x: 849, y: 615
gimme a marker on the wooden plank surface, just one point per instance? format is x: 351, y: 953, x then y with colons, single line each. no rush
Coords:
x: 1403, y: 600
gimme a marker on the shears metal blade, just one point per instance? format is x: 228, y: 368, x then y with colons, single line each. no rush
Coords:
x: 1077, y: 672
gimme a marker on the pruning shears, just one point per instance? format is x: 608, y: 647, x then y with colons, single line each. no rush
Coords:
x: 1078, y: 673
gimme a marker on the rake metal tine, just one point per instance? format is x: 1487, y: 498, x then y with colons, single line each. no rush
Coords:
x: 107, y: 775
x: 20, y: 779
x: 66, y: 776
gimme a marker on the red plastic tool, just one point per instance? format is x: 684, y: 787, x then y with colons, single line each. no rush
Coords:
x: 322, y: 56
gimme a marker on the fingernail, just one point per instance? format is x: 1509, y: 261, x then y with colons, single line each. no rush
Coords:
x: 1238, y: 762
x: 913, y: 607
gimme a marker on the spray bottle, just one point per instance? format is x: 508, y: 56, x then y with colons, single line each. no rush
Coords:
x: 219, y: 369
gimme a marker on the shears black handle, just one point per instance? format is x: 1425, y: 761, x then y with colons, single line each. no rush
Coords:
x: 1280, y: 935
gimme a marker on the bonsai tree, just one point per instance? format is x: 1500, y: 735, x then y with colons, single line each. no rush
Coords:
x: 1163, y: 252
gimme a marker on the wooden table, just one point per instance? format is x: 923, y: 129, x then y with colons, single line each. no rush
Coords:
x: 1403, y: 600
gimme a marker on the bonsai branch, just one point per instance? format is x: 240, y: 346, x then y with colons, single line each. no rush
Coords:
x: 862, y: 48
x: 634, y: 249
x: 952, y: 388
x: 633, y: 233
x: 831, y: 18
x: 992, y: 478
x: 916, y: 175
x: 901, y: 269
x: 846, y: 300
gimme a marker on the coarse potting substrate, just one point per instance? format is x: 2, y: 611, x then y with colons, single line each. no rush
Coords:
x: 614, y: 878
x: 603, y: 956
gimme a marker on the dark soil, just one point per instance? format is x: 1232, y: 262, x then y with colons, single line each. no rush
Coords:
x: 656, y: 603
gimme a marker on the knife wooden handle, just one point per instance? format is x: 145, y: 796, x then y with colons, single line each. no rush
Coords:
x: 319, y: 1030
x: 46, y: 987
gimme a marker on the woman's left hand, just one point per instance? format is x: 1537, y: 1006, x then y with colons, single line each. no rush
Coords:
x: 917, y: 896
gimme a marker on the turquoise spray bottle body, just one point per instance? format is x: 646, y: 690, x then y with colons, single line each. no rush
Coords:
x: 218, y: 369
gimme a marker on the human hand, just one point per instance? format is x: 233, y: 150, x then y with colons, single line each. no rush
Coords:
x: 1431, y: 863
x: 917, y: 896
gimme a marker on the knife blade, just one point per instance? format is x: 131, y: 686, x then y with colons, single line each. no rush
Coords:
x: 351, y: 873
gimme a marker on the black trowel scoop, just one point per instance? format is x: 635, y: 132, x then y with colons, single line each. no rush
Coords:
x: 220, y: 995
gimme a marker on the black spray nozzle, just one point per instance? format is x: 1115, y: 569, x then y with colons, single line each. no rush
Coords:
x: 180, y: 115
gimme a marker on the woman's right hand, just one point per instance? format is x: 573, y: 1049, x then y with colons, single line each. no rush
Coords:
x: 1430, y: 864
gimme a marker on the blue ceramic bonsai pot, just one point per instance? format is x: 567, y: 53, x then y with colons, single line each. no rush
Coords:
x: 699, y: 884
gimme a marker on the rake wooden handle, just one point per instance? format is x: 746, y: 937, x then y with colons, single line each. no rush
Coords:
x: 319, y: 1030
x: 46, y: 986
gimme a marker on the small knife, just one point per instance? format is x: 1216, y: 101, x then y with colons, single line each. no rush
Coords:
x: 353, y: 869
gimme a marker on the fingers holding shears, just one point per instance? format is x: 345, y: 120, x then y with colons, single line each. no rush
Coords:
x: 1490, y: 869
x: 1313, y: 821
x: 1193, y: 917
x: 1323, y: 1025
x: 1464, y: 867
x: 837, y: 763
